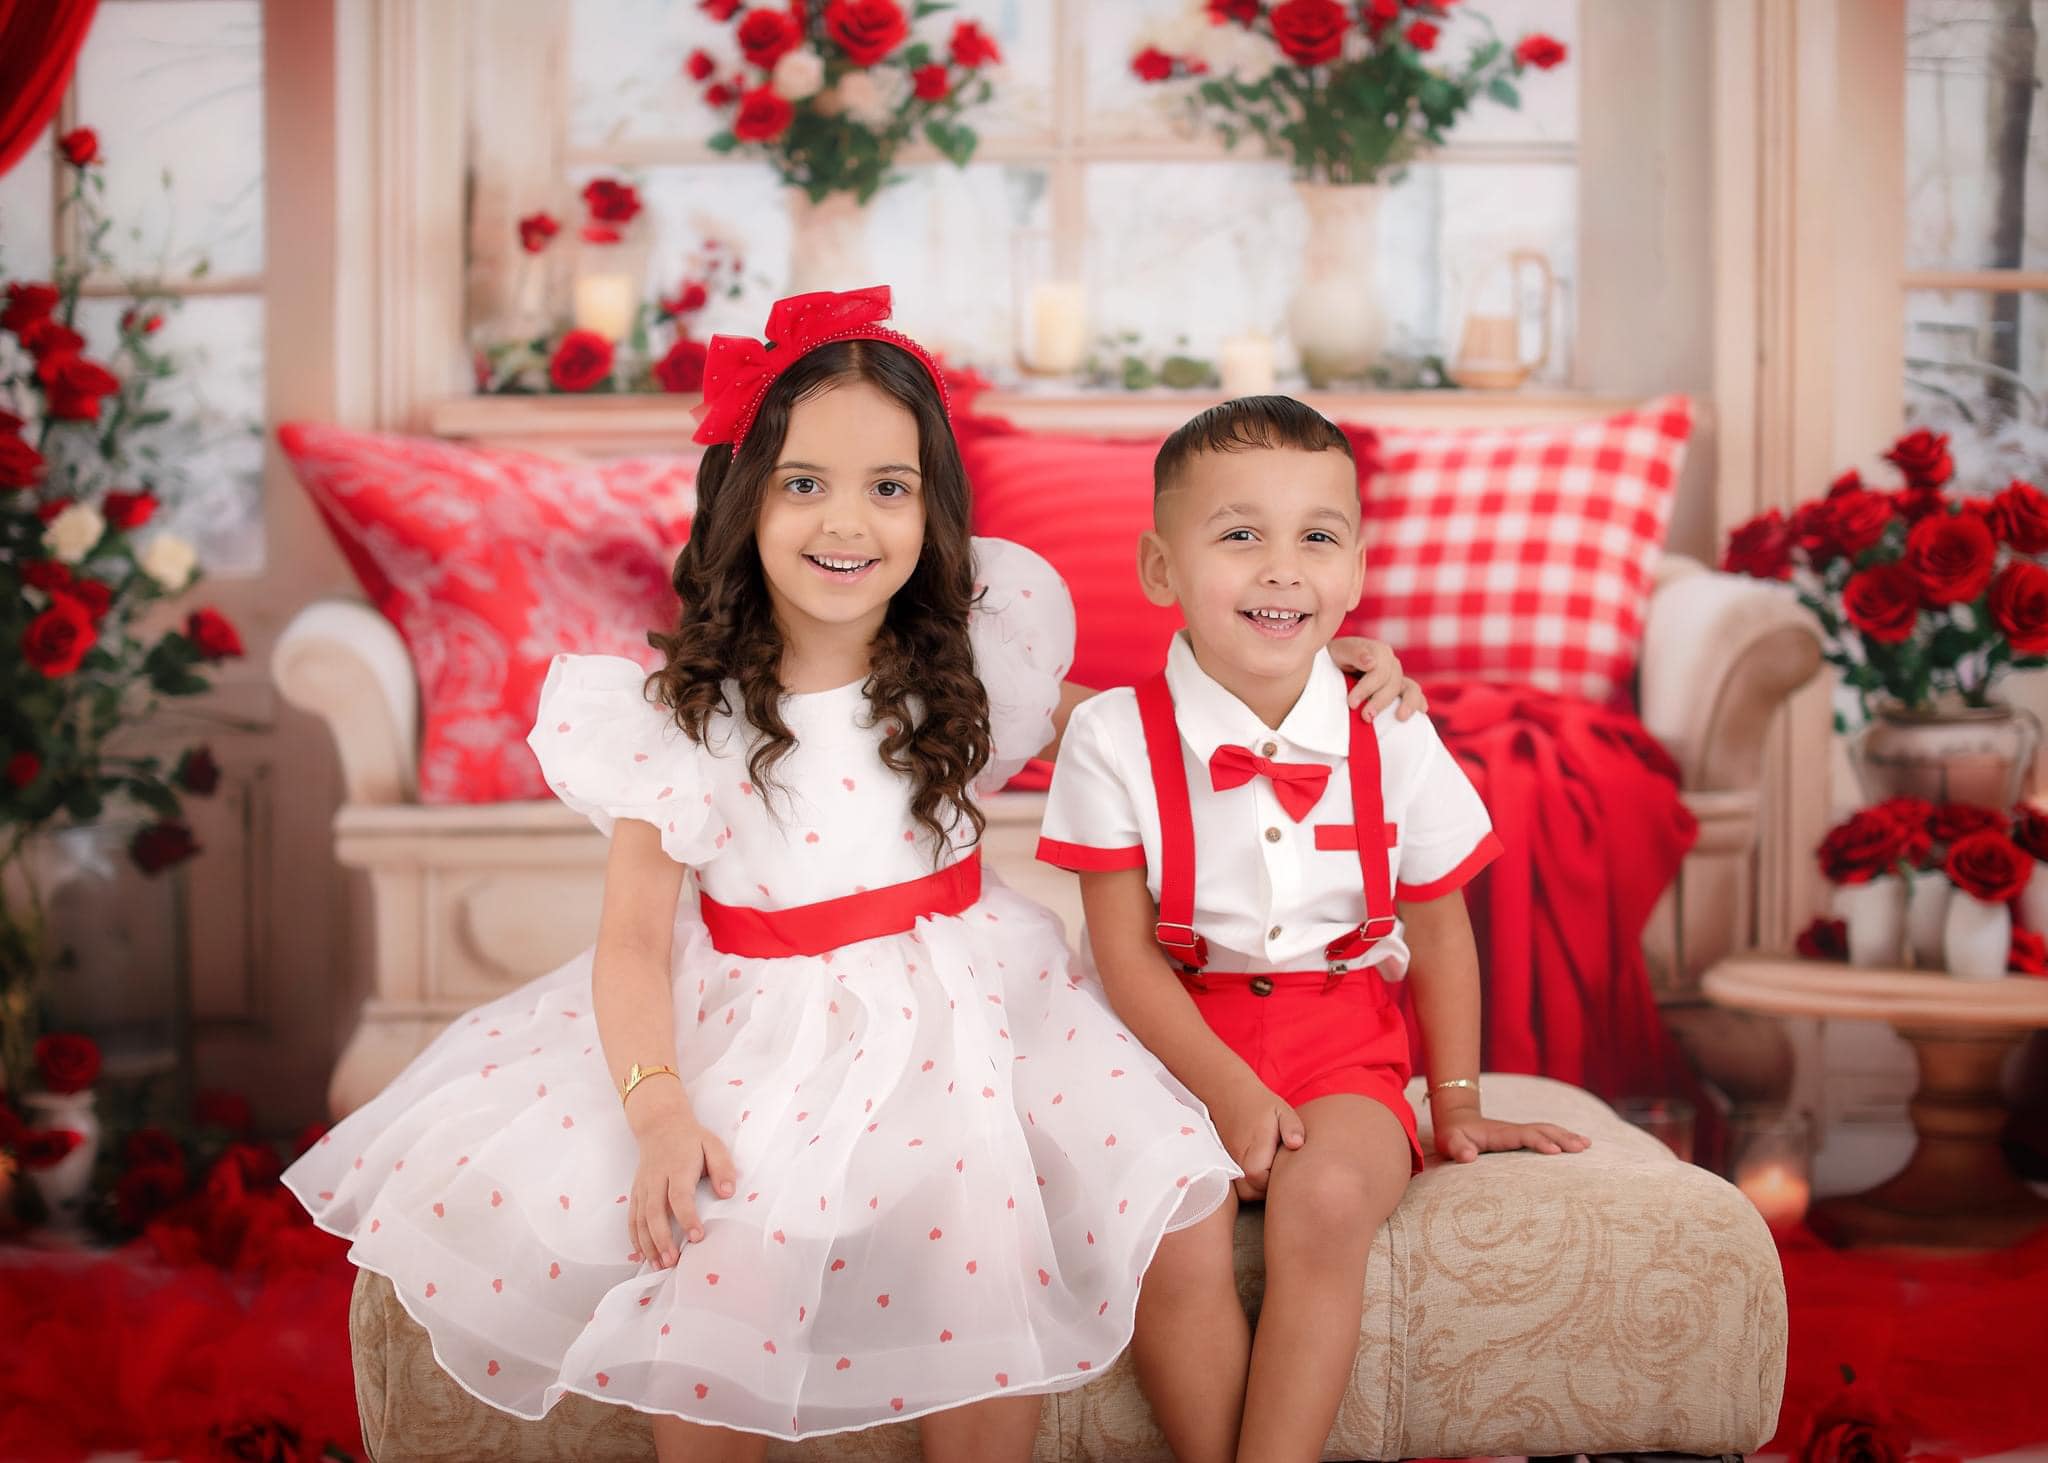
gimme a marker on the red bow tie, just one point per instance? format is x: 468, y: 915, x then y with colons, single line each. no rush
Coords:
x: 1298, y: 785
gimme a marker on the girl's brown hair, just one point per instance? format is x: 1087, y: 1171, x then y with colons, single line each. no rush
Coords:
x: 921, y: 681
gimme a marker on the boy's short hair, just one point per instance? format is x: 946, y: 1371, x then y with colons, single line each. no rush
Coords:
x: 1241, y: 423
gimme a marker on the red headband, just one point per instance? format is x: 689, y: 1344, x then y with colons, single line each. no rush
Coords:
x: 739, y: 370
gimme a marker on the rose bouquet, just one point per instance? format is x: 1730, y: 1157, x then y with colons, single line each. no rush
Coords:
x: 1921, y: 596
x: 828, y: 94
x: 1347, y: 93
x: 87, y: 649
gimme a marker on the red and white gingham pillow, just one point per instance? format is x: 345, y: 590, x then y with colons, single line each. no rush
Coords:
x: 1522, y: 555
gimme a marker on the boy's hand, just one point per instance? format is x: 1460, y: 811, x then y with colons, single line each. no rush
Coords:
x: 1255, y: 1125
x: 1380, y: 682
x: 1463, y: 1136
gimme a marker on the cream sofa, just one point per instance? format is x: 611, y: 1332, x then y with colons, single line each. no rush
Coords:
x: 1611, y: 1301
x: 467, y: 900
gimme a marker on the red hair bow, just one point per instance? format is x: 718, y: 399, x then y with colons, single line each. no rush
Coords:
x: 738, y: 370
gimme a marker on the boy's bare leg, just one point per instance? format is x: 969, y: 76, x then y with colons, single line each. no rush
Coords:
x: 677, y: 1441
x: 1326, y: 1201
x: 1192, y: 1344
x: 1000, y: 1430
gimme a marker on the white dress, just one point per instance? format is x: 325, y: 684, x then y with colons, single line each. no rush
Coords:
x: 954, y: 1163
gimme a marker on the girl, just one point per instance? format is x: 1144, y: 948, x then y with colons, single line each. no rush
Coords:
x: 845, y: 1143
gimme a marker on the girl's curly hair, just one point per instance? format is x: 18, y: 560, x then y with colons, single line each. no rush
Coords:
x: 921, y: 680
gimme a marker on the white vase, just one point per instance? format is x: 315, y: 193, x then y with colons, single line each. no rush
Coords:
x: 1978, y: 940
x: 2031, y: 908
x: 64, y: 1185
x: 828, y: 243
x: 1874, y: 915
x: 1928, y: 894
x: 1335, y: 315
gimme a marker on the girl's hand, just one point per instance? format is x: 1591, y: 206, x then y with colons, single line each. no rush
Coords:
x: 1464, y: 1136
x: 673, y: 1157
x: 1255, y: 1125
x: 1380, y: 682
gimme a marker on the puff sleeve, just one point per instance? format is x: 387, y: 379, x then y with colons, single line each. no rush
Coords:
x: 1022, y: 631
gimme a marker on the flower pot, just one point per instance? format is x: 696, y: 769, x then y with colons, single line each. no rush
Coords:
x: 64, y: 1185
x: 1964, y: 754
x: 1928, y: 895
x: 828, y: 243
x: 1335, y: 317
x: 1874, y: 915
x: 1977, y: 940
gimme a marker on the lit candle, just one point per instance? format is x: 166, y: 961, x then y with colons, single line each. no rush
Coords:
x: 1059, y: 328
x: 1779, y: 1193
x: 607, y: 303
x: 1246, y: 366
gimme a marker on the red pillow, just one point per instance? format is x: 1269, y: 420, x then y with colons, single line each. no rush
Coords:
x: 488, y: 562
x: 1522, y: 554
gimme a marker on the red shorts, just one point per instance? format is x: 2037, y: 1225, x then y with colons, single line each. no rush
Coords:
x: 1307, y: 1038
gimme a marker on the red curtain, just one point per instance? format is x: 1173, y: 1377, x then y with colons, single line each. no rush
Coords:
x: 39, y: 43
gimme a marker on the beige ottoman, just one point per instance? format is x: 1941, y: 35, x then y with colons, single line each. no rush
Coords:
x: 1612, y: 1301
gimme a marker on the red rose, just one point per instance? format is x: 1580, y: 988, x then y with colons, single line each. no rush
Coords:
x: 1883, y: 602
x: 47, y: 575
x: 127, y: 511
x: 1824, y: 939
x: 2019, y: 515
x: 973, y: 47
x: 766, y: 36
x: 21, y: 466
x: 161, y: 845
x: 1310, y: 31
x: 1953, y: 821
x: 26, y: 304
x: 1421, y: 35
x: 23, y: 768
x: 718, y: 9
x: 95, y: 594
x: 75, y: 387
x: 763, y: 116
x: 1152, y: 64
x: 718, y: 95
x: 80, y: 146
x: 1856, y: 519
x: 212, y: 1108
x: 1914, y: 817
x: 1989, y: 866
x: 309, y: 1135
x: 213, y: 634
x: 1923, y: 457
x: 1761, y: 548
x: 197, y: 772
x: 49, y: 511
x: 2030, y: 832
x: 49, y: 340
x: 1377, y: 15
x: 67, y: 1063
x: 691, y: 296
x: 682, y: 369
x: 146, y: 1191
x: 1855, y: 1440
x: 1539, y: 51
x: 536, y: 229
x: 257, y: 1165
x: 867, y: 30
x: 931, y: 83
x: 611, y: 201
x: 581, y: 361
x: 1952, y: 557
x: 2019, y: 606
x: 2029, y: 954
x: 1857, y: 851
x: 47, y: 1147
x: 1243, y: 12
x: 57, y: 639
x: 700, y: 67
x: 152, y: 1145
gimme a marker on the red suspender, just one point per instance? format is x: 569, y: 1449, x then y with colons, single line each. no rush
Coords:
x: 1175, y: 930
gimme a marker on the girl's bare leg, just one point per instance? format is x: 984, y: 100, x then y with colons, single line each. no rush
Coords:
x: 677, y: 1441
x: 1000, y: 1430
x: 1193, y: 1344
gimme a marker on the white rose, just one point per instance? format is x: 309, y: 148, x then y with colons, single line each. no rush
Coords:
x: 72, y: 533
x: 169, y: 560
x: 799, y: 74
x: 862, y: 97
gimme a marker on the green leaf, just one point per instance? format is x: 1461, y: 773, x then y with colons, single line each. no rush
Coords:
x: 722, y: 142
x: 1503, y: 91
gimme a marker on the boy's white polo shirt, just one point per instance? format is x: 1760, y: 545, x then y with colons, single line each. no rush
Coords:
x: 1270, y: 892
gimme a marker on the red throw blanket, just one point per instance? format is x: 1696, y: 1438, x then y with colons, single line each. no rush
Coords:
x: 1586, y: 805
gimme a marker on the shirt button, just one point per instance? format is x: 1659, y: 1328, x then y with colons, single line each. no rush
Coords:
x: 1274, y: 933
x: 1272, y: 835
x: 1269, y: 749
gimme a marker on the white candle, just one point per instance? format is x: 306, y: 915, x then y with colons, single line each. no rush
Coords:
x: 607, y: 303
x: 1780, y: 1194
x: 1059, y: 328
x: 1246, y: 366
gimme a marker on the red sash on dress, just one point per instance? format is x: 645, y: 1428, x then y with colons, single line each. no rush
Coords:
x: 833, y: 924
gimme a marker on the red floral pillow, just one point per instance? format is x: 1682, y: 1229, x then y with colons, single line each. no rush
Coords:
x: 488, y: 562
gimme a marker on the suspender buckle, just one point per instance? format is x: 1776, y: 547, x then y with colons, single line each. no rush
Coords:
x: 1182, y: 943
x: 1347, y: 953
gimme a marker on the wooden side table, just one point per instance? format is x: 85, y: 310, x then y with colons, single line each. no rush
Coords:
x: 1956, y: 1192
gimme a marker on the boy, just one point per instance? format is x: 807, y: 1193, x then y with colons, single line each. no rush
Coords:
x: 1239, y: 839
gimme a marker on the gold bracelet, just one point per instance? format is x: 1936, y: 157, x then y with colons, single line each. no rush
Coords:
x: 1471, y: 1082
x: 636, y: 1074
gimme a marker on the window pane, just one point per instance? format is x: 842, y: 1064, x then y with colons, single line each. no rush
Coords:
x: 1977, y: 368
x: 1122, y: 108
x: 1237, y: 232
x: 25, y: 205
x: 627, y: 80
x: 1976, y: 181
x: 164, y: 82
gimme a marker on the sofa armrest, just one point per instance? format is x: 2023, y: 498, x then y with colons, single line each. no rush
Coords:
x: 1721, y: 653
x: 342, y: 661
